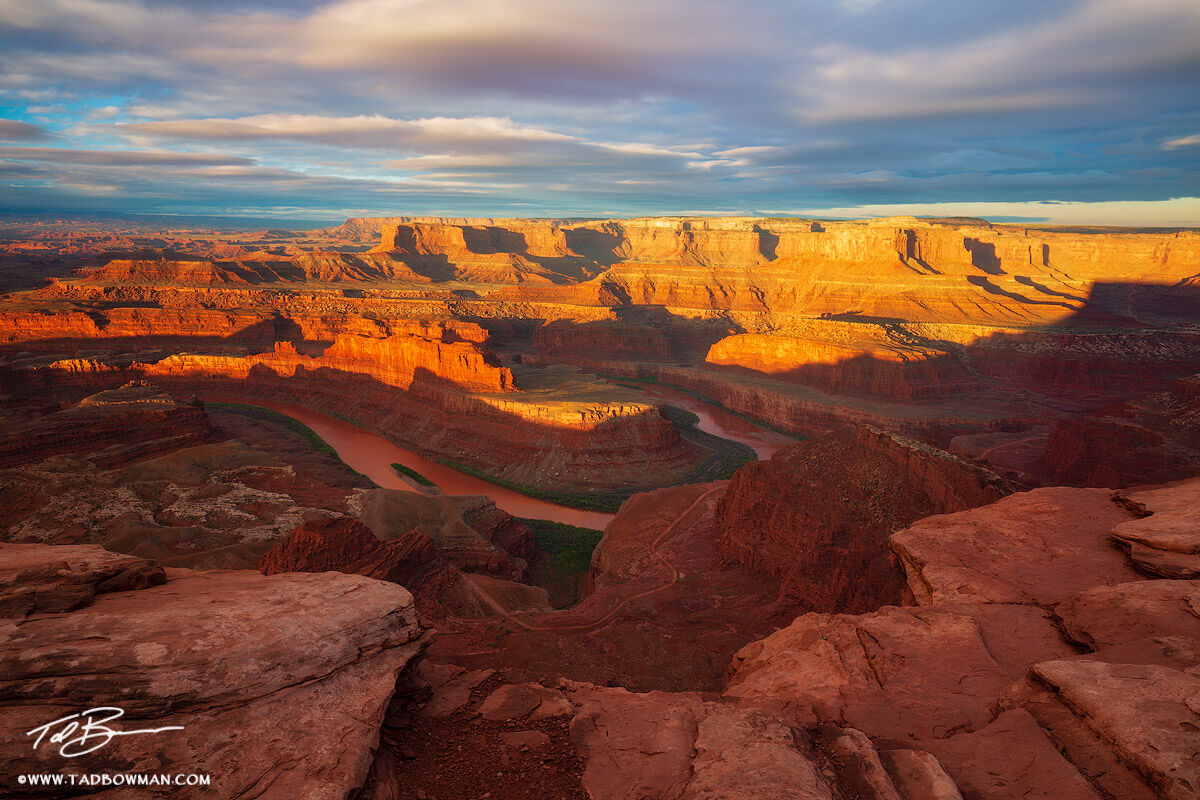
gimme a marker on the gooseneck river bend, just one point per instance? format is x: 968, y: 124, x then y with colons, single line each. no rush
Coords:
x: 373, y: 456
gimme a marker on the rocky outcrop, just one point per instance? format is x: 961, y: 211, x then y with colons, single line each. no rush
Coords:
x: 37, y: 580
x: 899, y: 372
x: 468, y: 532
x: 418, y: 358
x: 113, y: 427
x: 342, y: 544
x: 259, y: 682
x: 659, y: 745
x: 1034, y: 638
x: 516, y: 252
x: 1018, y: 550
x: 1165, y: 539
x: 818, y: 514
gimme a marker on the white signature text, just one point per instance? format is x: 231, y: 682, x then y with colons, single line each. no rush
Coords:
x: 88, y: 731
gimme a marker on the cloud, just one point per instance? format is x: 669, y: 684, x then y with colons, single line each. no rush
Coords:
x: 1182, y: 141
x: 568, y: 106
x: 121, y: 158
x: 1048, y: 65
x: 12, y: 129
x: 1181, y: 211
x: 372, y: 131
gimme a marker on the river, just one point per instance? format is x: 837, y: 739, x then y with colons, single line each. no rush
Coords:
x: 718, y: 421
x: 373, y: 455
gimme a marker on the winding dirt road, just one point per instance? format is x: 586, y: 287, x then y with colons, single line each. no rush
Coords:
x: 674, y: 576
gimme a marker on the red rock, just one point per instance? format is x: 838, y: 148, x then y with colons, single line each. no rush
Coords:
x: 751, y: 755
x: 524, y: 700
x: 889, y: 673
x: 636, y: 745
x: 342, y: 544
x: 818, y: 514
x: 1011, y: 757
x: 113, y: 427
x: 278, y: 691
x: 35, y: 579
x: 1151, y: 715
x: 918, y: 774
x: 893, y: 371
x: 460, y: 528
x: 1106, y: 452
x: 1145, y: 622
x: 860, y: 768
x: 1171, y: 520
x: 1033, y: 547
x: 451, y: 687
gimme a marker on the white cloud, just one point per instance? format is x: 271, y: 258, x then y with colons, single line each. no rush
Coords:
x: 357, y: 131
x: 120, y: 158
x: 1177, y: 211
x: 1182, y: 141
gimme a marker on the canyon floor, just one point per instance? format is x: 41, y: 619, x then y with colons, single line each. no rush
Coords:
x: 639, y: 509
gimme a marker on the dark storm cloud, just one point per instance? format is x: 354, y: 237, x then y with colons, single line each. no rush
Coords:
x: 628, y: 106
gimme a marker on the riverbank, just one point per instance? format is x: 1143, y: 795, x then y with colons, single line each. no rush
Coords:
x: 373, y: 456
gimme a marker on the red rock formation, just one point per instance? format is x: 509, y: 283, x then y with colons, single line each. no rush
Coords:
x: 899, y: 372
x: 533, y: 253
x: 565, y: 342
x: 469, y: 532
x: 343, y: 544
x: 112, y: 427
x: 37, y: 580
x: 818, y: 514
x: 265, y: 685
x: 497, y: 526
x: 1102, y: 451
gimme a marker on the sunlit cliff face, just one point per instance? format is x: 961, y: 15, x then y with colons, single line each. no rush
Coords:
x: 287, y: 108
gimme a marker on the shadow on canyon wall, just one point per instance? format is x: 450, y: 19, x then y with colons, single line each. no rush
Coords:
x: 259, y: 336
x: 1121, y: 340
x: 434, y: 416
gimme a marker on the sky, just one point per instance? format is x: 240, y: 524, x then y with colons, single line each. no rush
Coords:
x: 1067, y: 111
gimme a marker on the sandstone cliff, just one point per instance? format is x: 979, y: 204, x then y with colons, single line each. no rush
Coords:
x: 346, y: 545
x: 112, y: 428
x: 818, y: 514
x: 1038, y: 663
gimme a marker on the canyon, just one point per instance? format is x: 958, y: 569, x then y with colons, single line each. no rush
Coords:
x: 652, y: 508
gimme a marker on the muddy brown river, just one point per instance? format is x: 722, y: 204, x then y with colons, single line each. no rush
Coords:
x: 373, y: 455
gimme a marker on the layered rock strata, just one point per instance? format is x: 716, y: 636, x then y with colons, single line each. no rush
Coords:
x: 818, y: 515
x: 114, y: 426
x: 260, y: 683
x: 1038, y: 663
x: 346, y: 545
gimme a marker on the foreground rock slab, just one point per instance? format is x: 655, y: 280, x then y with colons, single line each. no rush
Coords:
x: 1166, y: 541
x: 1151, y: 714
x: 1034, y: 547
x: 279, y: 684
